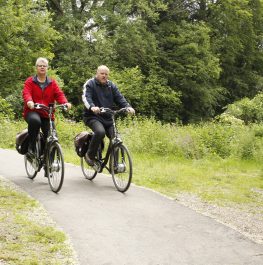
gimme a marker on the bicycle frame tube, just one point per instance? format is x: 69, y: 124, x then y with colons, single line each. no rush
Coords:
x: 113, y: 142
x: 51, y: 134
x: 52, y: 137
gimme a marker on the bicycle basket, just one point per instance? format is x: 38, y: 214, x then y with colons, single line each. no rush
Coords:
x: 22, y: 140
x: 81, y: 143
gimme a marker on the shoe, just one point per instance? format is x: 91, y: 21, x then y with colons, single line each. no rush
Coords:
x: 89, y: 160
x: 30, y: 155
x: 45, y: 171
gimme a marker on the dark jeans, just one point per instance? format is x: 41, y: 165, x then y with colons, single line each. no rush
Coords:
x: 99, y: 133
x: 35, y: 122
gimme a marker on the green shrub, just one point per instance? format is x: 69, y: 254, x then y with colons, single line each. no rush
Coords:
x: 150, y: 137
x: 6, y: 111
x: 249, y: 143
x: 247, y: 110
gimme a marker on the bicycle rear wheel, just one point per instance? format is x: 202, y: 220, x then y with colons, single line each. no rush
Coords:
x: 30, y: 168
x: 55, y: 167
x: 33, y: 164
x: 121, y: 167
x: 88, y: 171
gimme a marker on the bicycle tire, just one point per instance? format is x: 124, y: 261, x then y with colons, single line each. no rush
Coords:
x: 121, y: 167
x: 31, y: 169
x: 88, y: 171
x: 55, y: 166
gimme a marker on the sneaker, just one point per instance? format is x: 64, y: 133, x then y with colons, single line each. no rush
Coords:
x: 30, y: 155
x: 89, y: 160
x: 45, y: 172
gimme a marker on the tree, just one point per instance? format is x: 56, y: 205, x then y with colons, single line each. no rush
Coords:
x: 191, y: 68
x: 151, y: 96
x: 102, y: 32
x: 236, y: 36
x: 25, y: 34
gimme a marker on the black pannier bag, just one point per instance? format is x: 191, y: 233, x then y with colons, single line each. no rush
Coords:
x: 22, y: 141
x: 81, y: 142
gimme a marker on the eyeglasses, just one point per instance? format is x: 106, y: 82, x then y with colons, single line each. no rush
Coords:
x: 41, y: 65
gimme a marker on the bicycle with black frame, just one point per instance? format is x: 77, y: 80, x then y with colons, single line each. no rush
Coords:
x: 117, y: 159
x: 50, y: 157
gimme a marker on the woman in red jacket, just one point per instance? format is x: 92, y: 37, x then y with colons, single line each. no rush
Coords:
x: 40, y: 89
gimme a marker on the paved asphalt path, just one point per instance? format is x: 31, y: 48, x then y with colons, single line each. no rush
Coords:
x: 140, y: 227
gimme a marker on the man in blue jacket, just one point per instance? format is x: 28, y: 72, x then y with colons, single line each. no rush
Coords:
x: 100, y: 92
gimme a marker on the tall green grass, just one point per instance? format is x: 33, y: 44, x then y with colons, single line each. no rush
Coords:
x: 194, y: 141
x: 153, y: 138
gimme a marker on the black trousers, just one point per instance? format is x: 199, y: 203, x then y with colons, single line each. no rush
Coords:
x: 99, y: 131
x: 35, y: 122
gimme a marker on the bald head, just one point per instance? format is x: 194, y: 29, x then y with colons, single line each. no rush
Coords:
x: 102, y: 74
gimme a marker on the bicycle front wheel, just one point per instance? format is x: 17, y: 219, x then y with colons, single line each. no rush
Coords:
x: 121, y: 167
x: 88, y: 171
x: 55, y: 167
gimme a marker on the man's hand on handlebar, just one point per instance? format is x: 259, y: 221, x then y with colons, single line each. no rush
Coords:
x: 96, y: 110
x: 131, y: 110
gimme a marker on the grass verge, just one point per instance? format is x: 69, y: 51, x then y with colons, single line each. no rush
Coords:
x: 27, y: 234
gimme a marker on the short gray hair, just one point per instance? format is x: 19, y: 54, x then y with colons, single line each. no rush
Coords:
x: 103, y: 67
x: 42, y: 59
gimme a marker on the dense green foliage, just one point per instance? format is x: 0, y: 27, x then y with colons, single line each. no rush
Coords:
x: 246, y: 110
x: 25, y: 33
x: 6, y: 111
x: 147, y: 136
x: 173, y: 60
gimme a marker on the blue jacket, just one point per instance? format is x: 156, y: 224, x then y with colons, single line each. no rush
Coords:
x: 97, y: 95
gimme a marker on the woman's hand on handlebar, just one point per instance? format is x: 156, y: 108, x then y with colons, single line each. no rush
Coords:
x: 30, y: 104
x: 68, y: 105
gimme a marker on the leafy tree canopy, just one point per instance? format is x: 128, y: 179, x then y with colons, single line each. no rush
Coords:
x: 25, y: 34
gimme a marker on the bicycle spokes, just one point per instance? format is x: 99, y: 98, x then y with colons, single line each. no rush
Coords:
x: 30, y: 168
x: 55, y: 167
x: 121, y: 168
x: 88, y: 171
x: 33, y: 163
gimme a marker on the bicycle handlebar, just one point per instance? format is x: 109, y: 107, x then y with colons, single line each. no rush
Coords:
x: 113, y: 112
x: 53, y: 106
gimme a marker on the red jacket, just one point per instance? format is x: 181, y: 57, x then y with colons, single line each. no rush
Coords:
x: 50, y: 94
